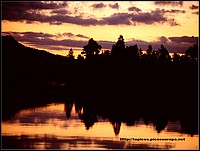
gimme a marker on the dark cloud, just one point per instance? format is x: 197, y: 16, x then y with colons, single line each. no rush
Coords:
x: 184, y: 39
x: 194, y: 7
x: 73, y: 35
x: 149, y: 18
x: 30, y: 11
x: 163, y: 39
x: 114, y: 6
x: 29, y: 35
x: 74, y: 20
x: 24, y: 12
x: 196, y: 13
x: 68, y: 34
x: 24, y: 6
x: 82, y: 36
x: 99, y: 5
x: 155, y: 16
x: 53, y: 19
x: 106, y: 44
x: 170, y: 45
x: 133, y: 8
x: 118, y: 19
x: 174, y: 11
x: 59, y: 11
x: 47, y: 41
x: 172, y: 3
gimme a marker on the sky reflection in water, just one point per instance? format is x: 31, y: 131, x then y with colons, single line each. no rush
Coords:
x: 49, y: 128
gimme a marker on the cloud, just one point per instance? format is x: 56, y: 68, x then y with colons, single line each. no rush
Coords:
x: 196, y: 13
x: 114, y: 6
x: 29, y: 11
x: 184, y: 39
x: 16, y: 12
x: 174, y: 11
x: 194, y: 7
x: 68, y: 34
x: 172, y: 3
x: 53, y: 19
x: 173, y: 44
x: 48, y: 41
x: 29, y: 35
x: 82, y: 36
x: 24, y: 6
x: 118, y: 19
x: 163, y: 39
x: 155, y: 16
x: 59, y: 11
x: 98, y: 6
x: 74, y: 20
x: 133, y: 8
x: 71, y: 35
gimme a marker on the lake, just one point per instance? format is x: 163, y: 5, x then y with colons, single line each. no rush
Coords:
x: 64, y: 126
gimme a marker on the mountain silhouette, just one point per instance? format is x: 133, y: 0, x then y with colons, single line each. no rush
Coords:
x: 26, y: 73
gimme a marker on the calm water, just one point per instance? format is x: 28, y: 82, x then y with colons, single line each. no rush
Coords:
x: 53, y: 127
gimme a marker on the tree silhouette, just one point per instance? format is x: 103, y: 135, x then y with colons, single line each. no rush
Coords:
x: 107, y: 53
x: 80, y: 57
x: 118, y: 49
x: 70, y: 54
x: 149, y: 50
x: 176, y: 58
x: 192, y: 52
x: 133, y: 53
x: 92, y: 48
x: 120, y: 42
x: 164, y: 54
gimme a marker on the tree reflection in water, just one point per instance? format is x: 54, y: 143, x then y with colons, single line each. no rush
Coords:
x: 130, y: 114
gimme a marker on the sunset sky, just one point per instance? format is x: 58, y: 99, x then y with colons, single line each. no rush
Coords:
x: 58, y: 26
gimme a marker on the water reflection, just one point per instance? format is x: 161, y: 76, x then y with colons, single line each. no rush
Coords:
x: 90, y: 113
x: 70, y: 126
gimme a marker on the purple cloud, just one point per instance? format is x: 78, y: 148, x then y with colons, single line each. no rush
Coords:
x: 59, y: 11
x: 196, y: 13
x: 118, y: 18
x: 194, y: 7
x: 156, y: 16
x: 163, y: 39
x: 71, y: 35
x: 114, y: 6
x: 133, y: 8
x: 184, y: 39
x: 174, y: 11
x: 99, y: 5
x: 82, y: 36
x: 24, y: 6
x: 41, y: 39
x: 26, y: 11
x: 170, y: 45
x: 68, y: 34
x: 47, y: 41
x: 172, y: 3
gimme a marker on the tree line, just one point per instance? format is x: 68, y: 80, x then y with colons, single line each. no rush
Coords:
x: 120, y: 52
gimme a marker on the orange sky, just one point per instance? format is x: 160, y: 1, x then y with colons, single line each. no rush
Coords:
x: 73, y: 23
